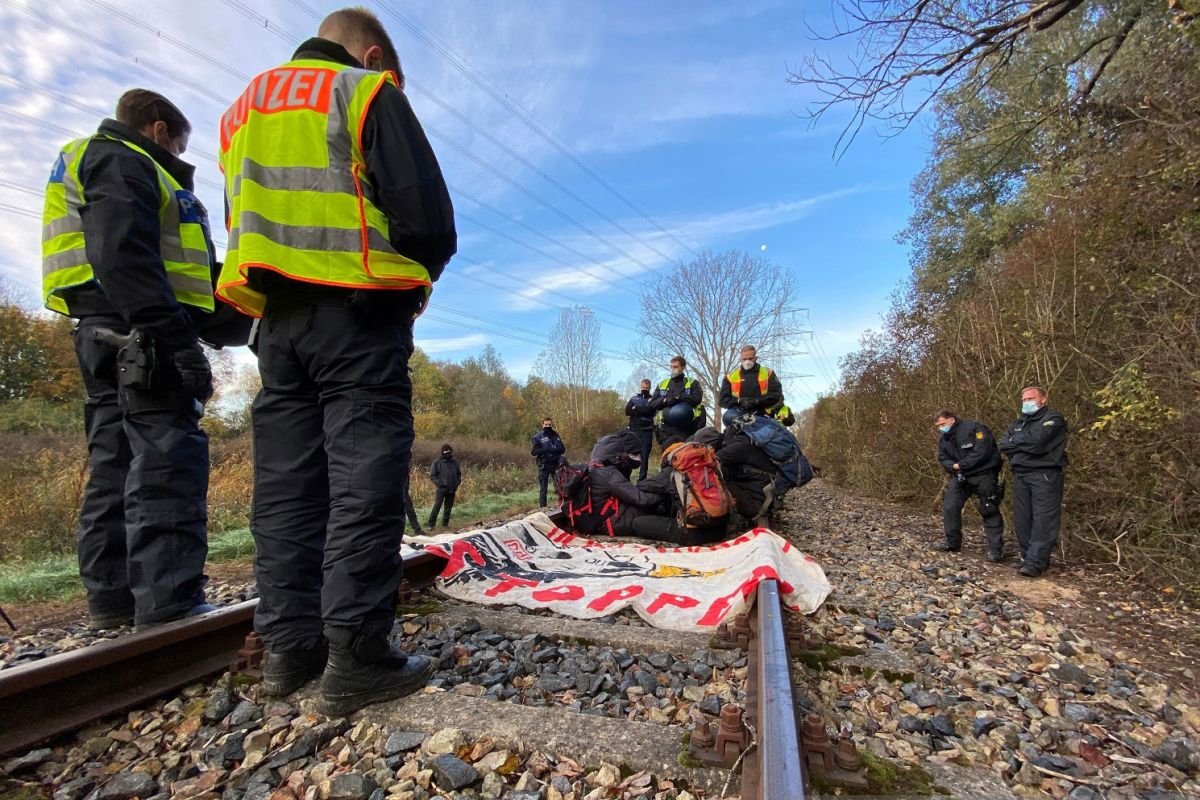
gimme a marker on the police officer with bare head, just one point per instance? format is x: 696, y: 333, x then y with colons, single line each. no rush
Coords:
x: 1036, y: 448
x: 678, y: 402
x: 751, y: 387
x: 340, y: 221
x: 126, y: 251
x: 967, y: 451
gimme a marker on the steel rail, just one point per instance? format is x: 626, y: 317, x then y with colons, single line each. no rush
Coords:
x: 778, y: 759
x: 58, y: 694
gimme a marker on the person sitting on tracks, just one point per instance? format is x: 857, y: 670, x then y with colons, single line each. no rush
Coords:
x: 671, y: 524
x: 613, y: 496
x: 749, y: 473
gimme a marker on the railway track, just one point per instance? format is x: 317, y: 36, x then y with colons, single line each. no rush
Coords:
x: 59, y: 694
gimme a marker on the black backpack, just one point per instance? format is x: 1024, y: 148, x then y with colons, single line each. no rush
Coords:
x: 573, y: 486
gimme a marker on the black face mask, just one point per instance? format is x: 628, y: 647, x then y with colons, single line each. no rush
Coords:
x: 645, y: 392
x: 548, y: 429
x: 448, y: 455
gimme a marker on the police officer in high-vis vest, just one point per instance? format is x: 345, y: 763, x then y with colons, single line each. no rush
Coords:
x: 339, y: 222
x: 678, y: 403
x: 751, y: 387
x: 126, y: 251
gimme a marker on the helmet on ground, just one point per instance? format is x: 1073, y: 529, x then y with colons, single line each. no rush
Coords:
x: 679, y: 415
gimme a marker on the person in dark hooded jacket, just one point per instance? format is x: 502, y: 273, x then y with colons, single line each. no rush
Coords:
x: 748, y: 473
x: 446, y: 476
x: 614, y: 496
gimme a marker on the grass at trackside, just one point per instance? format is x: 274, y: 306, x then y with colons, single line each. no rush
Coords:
x: 57, y: 577
x: 486, y: 508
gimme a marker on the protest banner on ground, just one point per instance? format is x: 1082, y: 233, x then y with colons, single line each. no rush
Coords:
x: 534, y: 564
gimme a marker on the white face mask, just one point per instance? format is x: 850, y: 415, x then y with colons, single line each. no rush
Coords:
x: 676, y: 372
x: 747, y: 363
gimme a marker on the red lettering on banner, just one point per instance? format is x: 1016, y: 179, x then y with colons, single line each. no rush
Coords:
x: 720, y: 607
x: 283, y: 89
x: 608, y: 598
x: 786, y: 545
x: 568, y: 592
x: 507, y: 583
x: 667, y: 599
x: 457, y: 556
x: 518, y: 551
x: 559, y: 536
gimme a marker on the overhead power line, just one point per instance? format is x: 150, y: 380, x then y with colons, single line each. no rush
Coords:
x: 155, y: 69
x: 460, y: 63
x: 63, y: 99
x: 457, y: 146
x: 12, y: 112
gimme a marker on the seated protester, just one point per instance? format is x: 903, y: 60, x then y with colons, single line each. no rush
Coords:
x: 748, y: 473
x: 668, y: 524
x: 613, y: 497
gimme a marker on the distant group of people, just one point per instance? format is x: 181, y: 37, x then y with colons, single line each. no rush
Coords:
x: 708, y: 479
x: 1035, y: 445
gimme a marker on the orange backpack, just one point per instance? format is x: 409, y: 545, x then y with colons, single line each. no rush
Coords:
x: 703, y: 498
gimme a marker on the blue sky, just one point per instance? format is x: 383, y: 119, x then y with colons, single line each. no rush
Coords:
x: 683, y: 106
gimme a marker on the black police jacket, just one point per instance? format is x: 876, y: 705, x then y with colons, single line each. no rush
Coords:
x: 122, y: 232
x: 970, y: 445
x: 1036, y: 441
x: 678, y: 391
x: 640, y: 412
x: 548, y: 448
x: 750, y: 389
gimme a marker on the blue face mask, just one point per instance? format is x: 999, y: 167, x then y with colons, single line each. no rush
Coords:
x: 944, y: 428
x: 1029, y: 407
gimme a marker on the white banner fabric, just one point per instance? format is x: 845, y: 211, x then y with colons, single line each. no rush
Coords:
x: 533, y: 563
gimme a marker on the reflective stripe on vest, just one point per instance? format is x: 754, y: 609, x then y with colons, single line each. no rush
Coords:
x: 697, y: 411
x: 183, y: 237
x: 780, y: 411
x: 301, y: 203
x: 735, y: 381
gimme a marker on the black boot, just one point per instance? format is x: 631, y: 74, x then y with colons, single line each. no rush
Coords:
x: 365, y: 669
x: 286, y: 671
x: 995, y: 556
x: 945, y: 547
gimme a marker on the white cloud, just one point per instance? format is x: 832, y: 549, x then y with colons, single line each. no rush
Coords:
x: 452, y: 343
x: 601, y: 275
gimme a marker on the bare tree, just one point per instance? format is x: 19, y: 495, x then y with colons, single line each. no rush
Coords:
x: 574, y: 358
x: 913, y: 51
x: 707, y: 308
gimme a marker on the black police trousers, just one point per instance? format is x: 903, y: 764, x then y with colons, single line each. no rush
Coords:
x: 1037, y: 514
x: 646, y: 439
x: 142, y: 537
x: 986, y: 490
x: 545, y: 476
x: 442, y: 501
x: 333, y: 434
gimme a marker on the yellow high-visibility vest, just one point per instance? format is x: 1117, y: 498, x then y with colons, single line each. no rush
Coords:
x: 697, y: 411
x: 735, y: 381
x: 183, y: 237
x: 300, y: 201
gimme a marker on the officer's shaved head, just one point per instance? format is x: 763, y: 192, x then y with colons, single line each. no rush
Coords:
x: 359, y: 31
x: 139, y: 108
